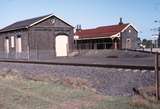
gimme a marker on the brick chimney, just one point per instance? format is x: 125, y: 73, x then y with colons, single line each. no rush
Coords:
x: 78, y: 28
x: 121, y: 21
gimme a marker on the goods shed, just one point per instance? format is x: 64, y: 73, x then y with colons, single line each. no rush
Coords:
x: 43, y: 37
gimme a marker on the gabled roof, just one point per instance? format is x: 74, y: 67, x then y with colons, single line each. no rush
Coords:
x: 27, y: 23
x: 104, y: 31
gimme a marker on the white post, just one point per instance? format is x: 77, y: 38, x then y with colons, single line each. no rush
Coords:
x: 76, y: 41
x: 28, y: 52
x: 115, y: 45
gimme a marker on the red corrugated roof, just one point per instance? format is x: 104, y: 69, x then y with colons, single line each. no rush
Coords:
x: 104, y: 31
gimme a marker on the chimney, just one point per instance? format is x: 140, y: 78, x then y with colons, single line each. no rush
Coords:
x: 78, y: 28
x: 121, y: 21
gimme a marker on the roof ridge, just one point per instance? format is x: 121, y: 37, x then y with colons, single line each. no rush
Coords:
x: 113, y: 25
x: 104, y: 27
x: 32, y: 18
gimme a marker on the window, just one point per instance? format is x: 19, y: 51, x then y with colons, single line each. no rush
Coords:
x: 12, y: 41
x: 18, y: 44
x: 129, y: 31
x: 6, y: 45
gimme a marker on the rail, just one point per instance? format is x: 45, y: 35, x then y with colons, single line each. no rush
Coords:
x: 81, y: 64
x: 142, y: 51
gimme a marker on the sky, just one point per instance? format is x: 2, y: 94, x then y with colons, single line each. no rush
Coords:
x: 89, y: 13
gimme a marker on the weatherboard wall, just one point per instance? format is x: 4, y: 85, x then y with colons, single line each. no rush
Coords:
x: 12, y: 50
x: 42, y: 38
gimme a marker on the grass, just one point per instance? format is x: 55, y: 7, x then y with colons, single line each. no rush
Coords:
x: 28, y: 94
x: 124, y: 103
x: 118, y: 103
x: 19, y: 93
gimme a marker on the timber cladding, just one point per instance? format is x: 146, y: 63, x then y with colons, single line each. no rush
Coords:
x: 37, y: 37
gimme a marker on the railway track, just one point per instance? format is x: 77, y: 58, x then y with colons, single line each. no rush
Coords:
x: 142, y: 67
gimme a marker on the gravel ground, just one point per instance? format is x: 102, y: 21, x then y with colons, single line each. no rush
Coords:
x: 108, y: 81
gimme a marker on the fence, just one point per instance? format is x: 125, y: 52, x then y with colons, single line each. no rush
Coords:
x: 156, y: 52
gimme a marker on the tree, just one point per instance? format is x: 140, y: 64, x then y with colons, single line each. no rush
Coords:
x: 147, y: 43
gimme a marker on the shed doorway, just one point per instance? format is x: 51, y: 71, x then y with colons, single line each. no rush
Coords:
x: 61, y: 45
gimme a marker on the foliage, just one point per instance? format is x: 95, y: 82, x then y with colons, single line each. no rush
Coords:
x: 147, y: 43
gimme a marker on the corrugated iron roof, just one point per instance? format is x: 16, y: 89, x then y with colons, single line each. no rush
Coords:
x: 22, y: 24
x: 104, y: 31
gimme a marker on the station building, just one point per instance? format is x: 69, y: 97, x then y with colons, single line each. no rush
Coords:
x: 119, y: 36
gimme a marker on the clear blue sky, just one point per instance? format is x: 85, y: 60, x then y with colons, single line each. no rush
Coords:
x: 88, y: 13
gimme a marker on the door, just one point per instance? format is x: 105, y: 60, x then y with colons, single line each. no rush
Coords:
x: 128, y: 43
x: 61, y: 45
x: 6, y: 45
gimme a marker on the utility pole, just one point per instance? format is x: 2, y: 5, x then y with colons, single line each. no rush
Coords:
x: 157, y: 76
x: 158, y: 40
x: 157, y: 64
x: 158, y: 37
